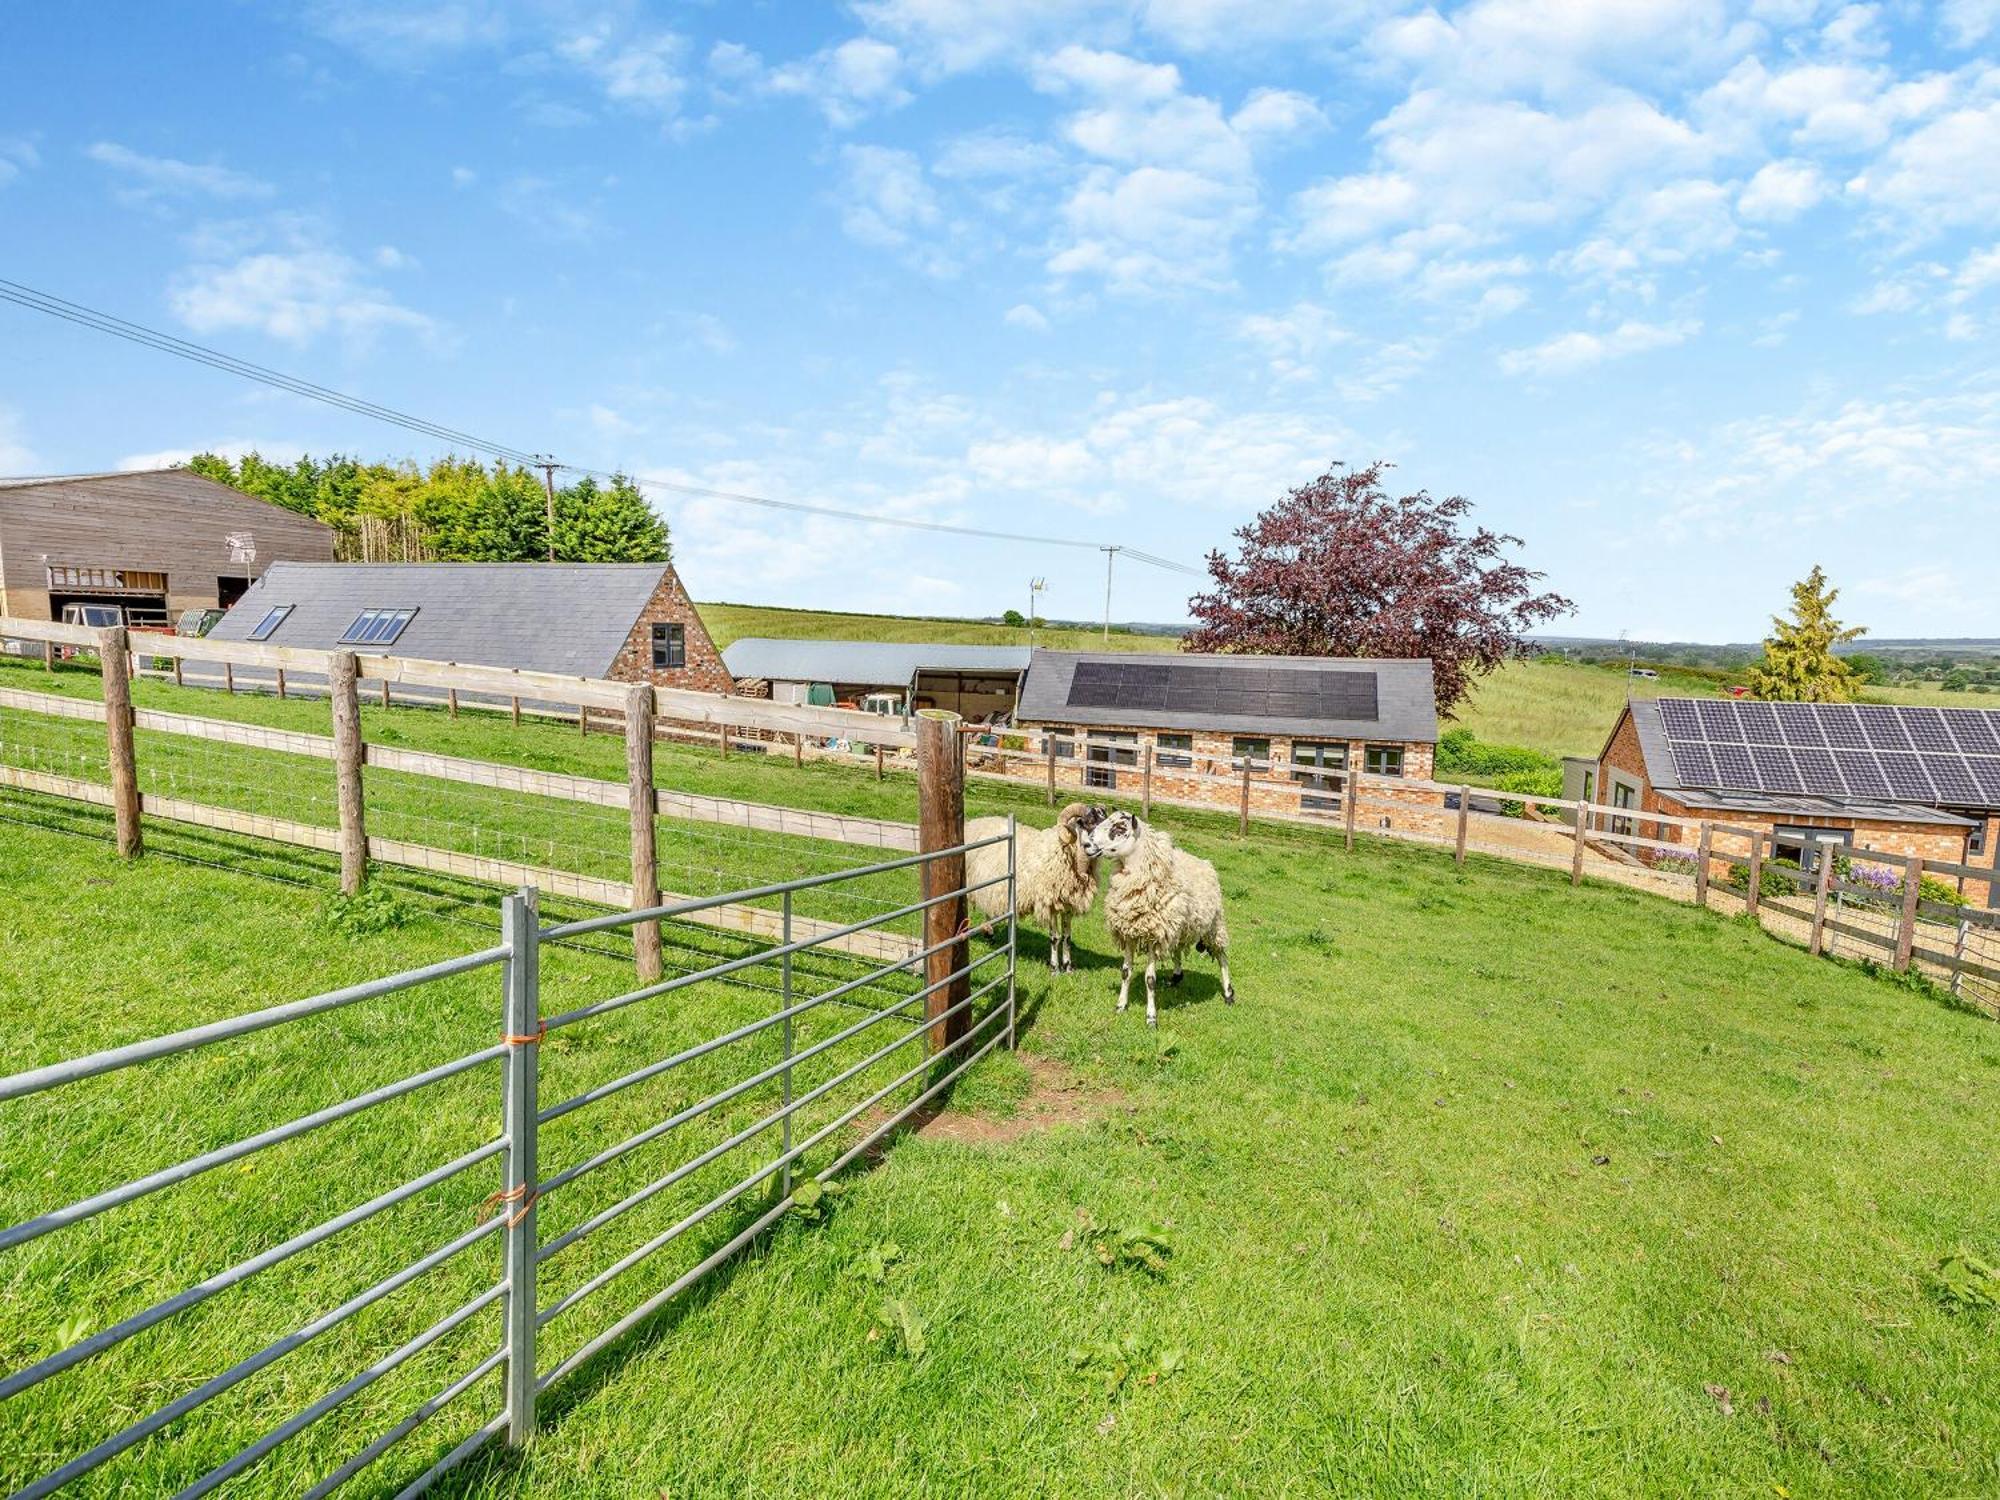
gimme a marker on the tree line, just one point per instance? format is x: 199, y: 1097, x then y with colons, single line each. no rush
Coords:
x: 454, y: 510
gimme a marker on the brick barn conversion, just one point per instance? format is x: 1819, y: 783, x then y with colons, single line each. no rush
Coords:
x: 155, y: 543
x: 1316, y: 718
x: 632, y: 622
x: 1903, y: 779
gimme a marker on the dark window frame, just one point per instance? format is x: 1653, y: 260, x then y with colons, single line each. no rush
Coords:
x: 1173, y: 749
x: 379, y: 625
x: 1808, y: 842
x: 1374, y: 759
x: 669, y: 640
x: 267, y: 627
x: 1257, y: 760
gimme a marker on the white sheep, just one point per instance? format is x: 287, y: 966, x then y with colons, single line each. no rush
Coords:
x: 1054, y: 880
x: 1160, y: 900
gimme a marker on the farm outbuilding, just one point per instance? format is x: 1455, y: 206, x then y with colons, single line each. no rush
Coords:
x: 153, y: 543
x: 1897, y: 778
x: 1315, y: 719
x: 979, y: 683
x: 632, y: 622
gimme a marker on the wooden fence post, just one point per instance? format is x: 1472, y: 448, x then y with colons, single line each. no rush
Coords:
x: 798, y: 747
x: 450, y: 700
x: 229, y: 678
x: 385, y: 693
x: 1049, y: 744
x: 515, y: 704
x: 281, y: 682
x: 722, y: 735
x: 1701, y: 864
x: 1243, y: 811
x: 583, y: 721
x: 49, y: 656
x: 941, y: 825
x: 343, y: 685
x: 1576, y: 854
x: 1817, y: 944
x: 1464, y: 815
x: 645, y: 851
x: 1756, y: 891
x: 113, y: 657
x: 1906, y: 930
x: 1348, y: 800
x: 878, y: 762
x: 178, y: 682
x: 1146, y: 785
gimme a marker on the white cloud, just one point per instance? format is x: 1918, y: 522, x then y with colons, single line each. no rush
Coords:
x: 1275, y: 114
x: 1928, y: 586
x: 643, y: 72
x: 1027, y: 315
x: 1492, y: 45
x: 280, y: 451
x: 1781, y: 191
x: 17, y: 154
x: 1295, y: 340
x: 295, y: 292
x: 164, y: 176
x: 1939, y: 175
x: 1967, y: 23
x: 887, y: 202
x: 401, y: 35
x: 846, y: 83
x: 1567, y: 353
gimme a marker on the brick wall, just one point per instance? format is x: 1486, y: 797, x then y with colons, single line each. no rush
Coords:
x: 1272, y: 787
x: 704, y: 672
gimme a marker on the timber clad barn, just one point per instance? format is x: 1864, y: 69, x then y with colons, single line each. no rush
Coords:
x: 1315, y: 718
x: 154, y: 543
x: 632, y: 622
x: 1905, y: 780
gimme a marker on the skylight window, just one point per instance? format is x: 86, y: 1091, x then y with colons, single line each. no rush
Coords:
x: 264, y: 628
x: 376, y: 627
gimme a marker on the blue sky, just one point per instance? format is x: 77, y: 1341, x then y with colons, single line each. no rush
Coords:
x: 1689, y: 295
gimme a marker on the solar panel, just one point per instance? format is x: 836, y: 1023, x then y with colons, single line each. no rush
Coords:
x: 1245, y: 692
x: 1986, y: 771
x: 1948, y: 757
x: 1775, y: 771
x: 1977, y: 733
x: 1842, y: 726
x: 1799, y: 724
x: 1718, y: 721
x: 1817, y: 772
x: 1953, y: 777
x: 1862, y: 772
x: 1883, y: 729
x: 1680, y: 718
x: 1732, y: 765
x: 1760, y: 723
x: 1907, y: 778
x: 1692, y: 763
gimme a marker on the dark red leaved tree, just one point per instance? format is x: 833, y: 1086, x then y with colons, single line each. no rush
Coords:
x: 1343, y: 568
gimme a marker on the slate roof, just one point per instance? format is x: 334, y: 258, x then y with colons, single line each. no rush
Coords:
x: 569, y: 618
x: 875, y: 663
x: 1405, y: 704
x: 1807, y: 806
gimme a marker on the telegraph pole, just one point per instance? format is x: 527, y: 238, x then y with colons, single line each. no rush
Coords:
x: 547, y: 465
x: 1110, y: 556
x: 1035, y: 587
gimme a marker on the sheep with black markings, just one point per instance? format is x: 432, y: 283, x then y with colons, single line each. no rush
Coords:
x: 1160, y: 901
x: 1055, y: 881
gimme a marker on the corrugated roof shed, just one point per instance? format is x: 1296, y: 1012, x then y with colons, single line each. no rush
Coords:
x: 1405, y: 704
x: 569, y: 618
x: 874, y: 663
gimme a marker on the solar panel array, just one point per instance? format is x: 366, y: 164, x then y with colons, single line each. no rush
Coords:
x: 1940, y: 757
x: 1251, y: 692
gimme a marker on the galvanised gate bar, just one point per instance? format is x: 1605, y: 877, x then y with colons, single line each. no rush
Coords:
x: 980, y: 1015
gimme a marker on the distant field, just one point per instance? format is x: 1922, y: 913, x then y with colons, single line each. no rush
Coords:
x: 1563, y: 709
x: 732, y: 622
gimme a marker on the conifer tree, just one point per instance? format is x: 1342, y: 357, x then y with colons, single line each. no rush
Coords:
x: 1799, y: 665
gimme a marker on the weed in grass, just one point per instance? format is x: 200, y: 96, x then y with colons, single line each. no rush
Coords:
x: 372, y: 910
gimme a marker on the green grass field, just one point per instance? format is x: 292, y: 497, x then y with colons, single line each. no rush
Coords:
x: 1486, y: 1186
x: 732, y: 622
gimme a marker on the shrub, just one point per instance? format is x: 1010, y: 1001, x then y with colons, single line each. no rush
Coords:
x: 1777, y: 878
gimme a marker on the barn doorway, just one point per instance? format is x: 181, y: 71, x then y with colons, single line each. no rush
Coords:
x: 229, y: 590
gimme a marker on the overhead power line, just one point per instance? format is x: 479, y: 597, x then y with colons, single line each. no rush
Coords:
x: 166, y: 343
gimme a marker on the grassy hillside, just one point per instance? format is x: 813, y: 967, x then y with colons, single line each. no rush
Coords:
x: 1487, y: 1185
x: 732, y: 622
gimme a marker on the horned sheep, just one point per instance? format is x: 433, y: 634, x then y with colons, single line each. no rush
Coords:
x: 1160, y: 901
x: 1055, y: 881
